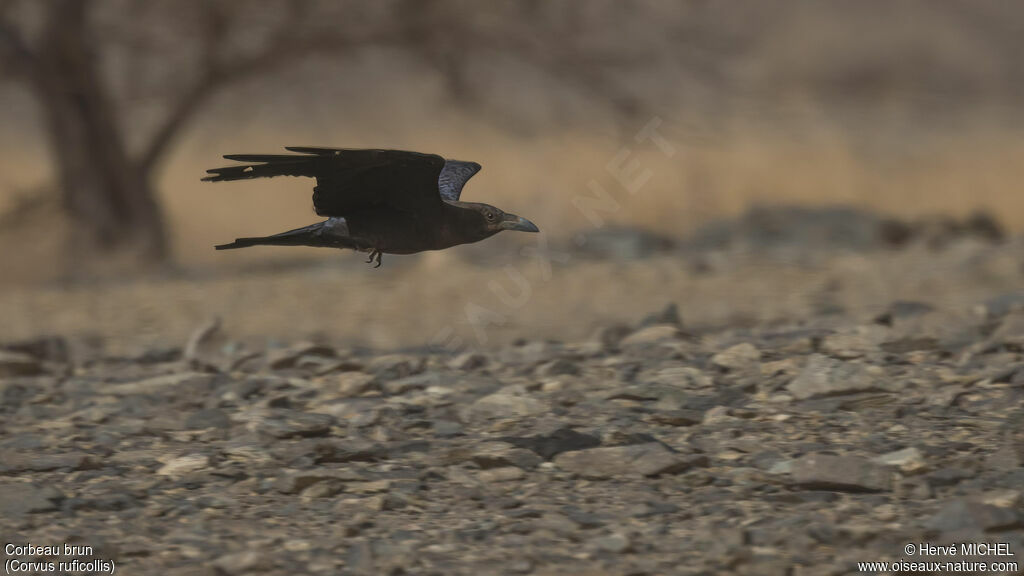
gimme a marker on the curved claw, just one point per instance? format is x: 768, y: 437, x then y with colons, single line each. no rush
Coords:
x: 375, y: 256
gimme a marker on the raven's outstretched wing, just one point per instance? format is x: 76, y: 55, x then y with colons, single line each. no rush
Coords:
x: 350, y: 180
x: 454, y: 176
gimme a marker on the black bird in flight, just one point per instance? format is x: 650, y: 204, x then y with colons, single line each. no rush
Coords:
x: 377, y: 201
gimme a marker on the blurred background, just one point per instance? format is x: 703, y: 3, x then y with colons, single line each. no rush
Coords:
x: 866, y: 127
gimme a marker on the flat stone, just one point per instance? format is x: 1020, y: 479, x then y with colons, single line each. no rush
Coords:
x: 558, y: 367
x: 297, y: 482
x: 743, y: 357
x: 503, y: 454
x: 209, y: 418
x: 503, y: 474
x: 615, y: 543
x: 963, y: 516
x: 283, y: 423
x: 356, y: 383
x: 824, y: 376
x: 559, y: 440
x: 680, y: 417
x: 19, y: 498
x: 167, y: 383
x: 17, y: 463
x: 371, y: 487
x: 184, y: 465
x: 856, y: 342
x: 410, y: 383
x: 349, y: 450
x: 505, y: 405
x: 840, y: 473
x: 650, y: 459
x: 1002, y: 498
x: 908, y: 460
x: 392, y: 366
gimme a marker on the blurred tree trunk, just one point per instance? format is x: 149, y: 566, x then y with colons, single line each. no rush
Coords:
x: 107, y: 194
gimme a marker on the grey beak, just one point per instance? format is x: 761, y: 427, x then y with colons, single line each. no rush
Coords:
x: 513, y: 222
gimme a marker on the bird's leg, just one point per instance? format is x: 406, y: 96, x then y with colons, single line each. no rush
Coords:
x: 375, y: 255
x: 379, y: 255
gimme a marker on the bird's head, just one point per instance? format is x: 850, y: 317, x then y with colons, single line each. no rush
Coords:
x: 490, y: 220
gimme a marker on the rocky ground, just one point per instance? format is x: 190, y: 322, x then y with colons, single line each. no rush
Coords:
x: 836, y: 431
x: 645, y: 450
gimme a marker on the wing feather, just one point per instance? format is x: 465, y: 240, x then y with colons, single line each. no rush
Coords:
x: 454, y: 176
x: 350, y: 180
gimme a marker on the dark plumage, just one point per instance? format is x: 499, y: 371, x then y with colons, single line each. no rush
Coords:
x: 377, y: 201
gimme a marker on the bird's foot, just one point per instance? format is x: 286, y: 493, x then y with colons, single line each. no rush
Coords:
x: 375, y: 255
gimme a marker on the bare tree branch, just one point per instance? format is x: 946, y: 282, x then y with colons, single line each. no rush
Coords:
x: 287, y: 45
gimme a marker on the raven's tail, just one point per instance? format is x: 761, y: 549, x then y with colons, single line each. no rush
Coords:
x: 307, y: 236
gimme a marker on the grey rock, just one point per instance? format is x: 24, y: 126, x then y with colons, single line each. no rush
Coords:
x: 446, y: 428
x: 182, y: 383
x: 823, y: 376
x: 184, y: 465
x: 842, y: 473
x: 503, y: 474
x: 504, y: 405
x: 680, y: 417
x: 356, y: 383
x: 615, y: 543
x: 393, y: 366
x: 410, y: 383
x: 558, y: 367
x: 348, y: 450
x: 963, y: 516
x: 908, y: 460
x: 209, y: 418
x: 19, y: 498
x: 300, y: 481
x: 559, y: 440
x: 282, y: 423
x: 650, y: 459
x: 855, y: 342
x: 949, y: 476
x: 501, y: 454
x: 18, y: 463
x: 744, y: 357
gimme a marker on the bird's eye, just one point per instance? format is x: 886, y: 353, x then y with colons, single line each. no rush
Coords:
x: 490, y: 216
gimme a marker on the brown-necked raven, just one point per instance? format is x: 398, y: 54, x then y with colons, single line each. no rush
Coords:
x: 377, y: 201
